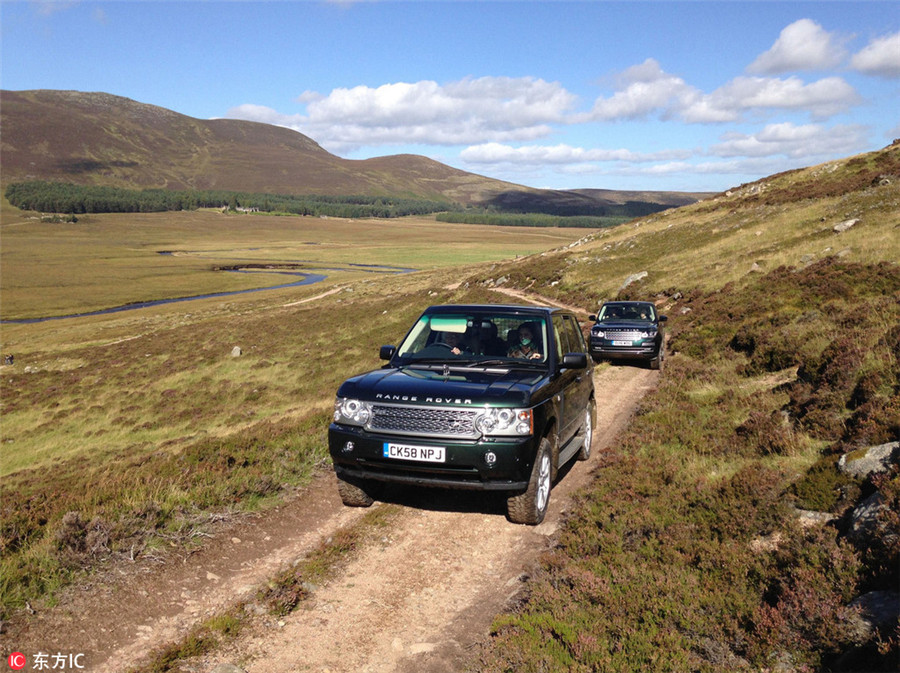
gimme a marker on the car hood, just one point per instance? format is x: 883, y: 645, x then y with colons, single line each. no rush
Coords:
x: 413, y: 385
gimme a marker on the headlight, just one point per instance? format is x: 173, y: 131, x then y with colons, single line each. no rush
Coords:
x: 351, y: 412
x: 505, y: 422
x: 650, y: 334
x: 598, y: 333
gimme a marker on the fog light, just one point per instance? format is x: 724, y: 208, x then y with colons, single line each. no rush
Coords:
x: 349, y: 446
x: 490, y: 458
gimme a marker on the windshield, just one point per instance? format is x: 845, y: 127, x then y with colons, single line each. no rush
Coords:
x: 477, y: 337
x: 643, y: 312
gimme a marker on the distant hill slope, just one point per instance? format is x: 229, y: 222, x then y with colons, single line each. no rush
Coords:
x: 101, y: 139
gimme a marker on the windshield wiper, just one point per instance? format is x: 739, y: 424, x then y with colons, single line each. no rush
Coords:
x: 489, y: 363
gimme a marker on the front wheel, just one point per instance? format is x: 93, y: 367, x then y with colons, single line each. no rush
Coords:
x: 530, y: 507
x: 353, y: 495
x: 657, y: 362
x: 587, y: 432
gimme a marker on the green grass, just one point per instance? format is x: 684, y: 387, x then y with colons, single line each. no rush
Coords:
x: 110, y: 260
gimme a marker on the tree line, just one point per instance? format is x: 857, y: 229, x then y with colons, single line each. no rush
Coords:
x: 529, y: 219
x: 60, y: 197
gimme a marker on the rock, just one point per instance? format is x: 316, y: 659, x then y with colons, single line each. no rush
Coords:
x: 864, y: 518
x: 236, y: 352
x: 227, y: 668
x: 845, y: 225
x: 864, y: 463
x: 877, y: 609
x: 809, y: 519
x: 633, y: 278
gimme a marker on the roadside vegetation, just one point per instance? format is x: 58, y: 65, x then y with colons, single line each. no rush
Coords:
x: 125, y: 434
x: 688, y: 552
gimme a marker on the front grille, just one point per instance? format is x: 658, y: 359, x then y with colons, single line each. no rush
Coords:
x: 622, y: 335
x: 431, y: 421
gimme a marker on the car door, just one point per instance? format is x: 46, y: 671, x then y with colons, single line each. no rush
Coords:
x: 583, y: 384
x: 572, y: 400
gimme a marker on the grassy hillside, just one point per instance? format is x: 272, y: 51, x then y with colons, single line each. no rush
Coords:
x: 688, y: 553
x: 101, y: 139
x: 783, y: 354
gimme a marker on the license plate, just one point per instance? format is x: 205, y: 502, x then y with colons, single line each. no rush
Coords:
x: 428, y: 454
x: 621, y: 343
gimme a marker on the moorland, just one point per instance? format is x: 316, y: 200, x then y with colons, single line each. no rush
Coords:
x: 125, y: 433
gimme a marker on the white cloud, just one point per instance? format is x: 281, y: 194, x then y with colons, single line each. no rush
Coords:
x: 824, y: 98
x: 264, y: 115
x: 880, y: 57
x: 645, y: 89
x: 538, y: 155
x: 803, y: 45
x: 459, y: 113
x: 797, y: 142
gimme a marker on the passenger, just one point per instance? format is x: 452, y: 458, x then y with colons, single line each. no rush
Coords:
x: 526, y: 348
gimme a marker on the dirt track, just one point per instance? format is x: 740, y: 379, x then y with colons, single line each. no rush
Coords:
x: 418, y: 600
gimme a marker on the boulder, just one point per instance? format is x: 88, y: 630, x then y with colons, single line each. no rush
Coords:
x: 876, y: 610
x: 633, y: 278
x: 863, y: 463
x: 845, y: 225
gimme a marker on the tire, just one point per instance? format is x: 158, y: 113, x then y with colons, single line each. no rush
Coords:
x: 353, y: 495
x: 657, y: 362
x: 530, y: 507
x: 587, y: 431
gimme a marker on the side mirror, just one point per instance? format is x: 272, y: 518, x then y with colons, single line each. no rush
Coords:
x: 574, y: 361
x: 663, y: 318
x: 592, y: 318
x: 387, y: 352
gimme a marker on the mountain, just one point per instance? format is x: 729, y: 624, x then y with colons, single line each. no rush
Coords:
x: 101, y: 139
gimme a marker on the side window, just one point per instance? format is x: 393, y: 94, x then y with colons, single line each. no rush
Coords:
x: 576, y: 338
x: 559, y: 336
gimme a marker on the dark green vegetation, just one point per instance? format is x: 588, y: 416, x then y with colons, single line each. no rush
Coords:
x: 59, y: 197
x: 530, y: 219
x: 687, y: 554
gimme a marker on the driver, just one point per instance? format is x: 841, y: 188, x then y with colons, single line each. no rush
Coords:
x: 453, y: 340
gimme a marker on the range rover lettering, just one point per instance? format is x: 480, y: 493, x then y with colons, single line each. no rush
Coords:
x: 478, y: 397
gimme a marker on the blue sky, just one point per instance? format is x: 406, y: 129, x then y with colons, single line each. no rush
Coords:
x: 614, y: 95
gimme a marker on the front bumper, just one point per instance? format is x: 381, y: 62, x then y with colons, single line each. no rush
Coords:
x: 358, y: 454
x: 603, y: 349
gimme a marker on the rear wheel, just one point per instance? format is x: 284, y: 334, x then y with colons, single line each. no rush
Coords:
x: 530, y: 507
x: 355, y: 495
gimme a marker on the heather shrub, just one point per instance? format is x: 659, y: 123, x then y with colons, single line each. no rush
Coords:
x: 685, y: 553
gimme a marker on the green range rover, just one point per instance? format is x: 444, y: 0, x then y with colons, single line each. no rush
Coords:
x: 478, y: 397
